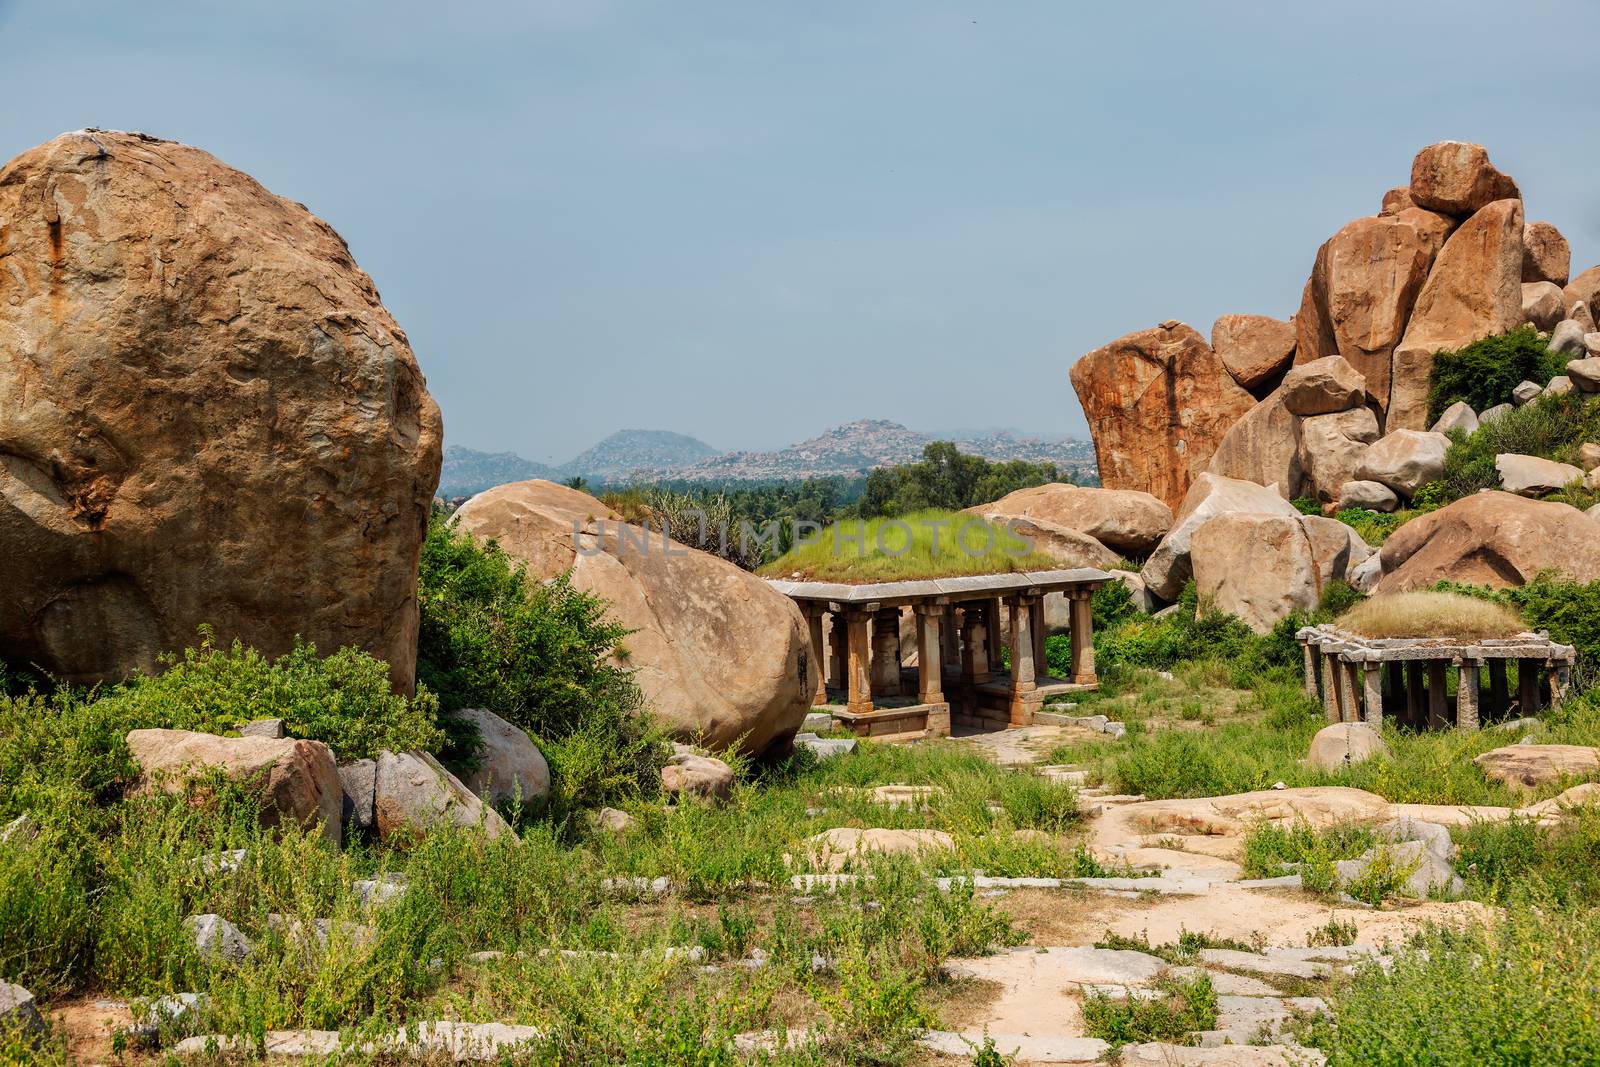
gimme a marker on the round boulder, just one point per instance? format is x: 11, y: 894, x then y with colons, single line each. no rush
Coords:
x: 1456, y: 178
x: 721, y: 656
x: 1491, y: 538
x: 508, y: 766
x: 1404, y: 460
x: 1344, y: 744
x: 1323, y: 386
x: 1124, y: 520
x: 210, y: 418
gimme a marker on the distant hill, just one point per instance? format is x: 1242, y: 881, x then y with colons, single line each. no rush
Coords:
x: 844, y: 451
x: 628, y: 451
x: 467, y: 471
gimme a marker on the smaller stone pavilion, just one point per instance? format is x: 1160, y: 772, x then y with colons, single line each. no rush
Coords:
x: 1365, y: 679
x: 960, y: 627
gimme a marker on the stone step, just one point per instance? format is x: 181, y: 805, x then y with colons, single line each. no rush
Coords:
x: 1024, y: 1047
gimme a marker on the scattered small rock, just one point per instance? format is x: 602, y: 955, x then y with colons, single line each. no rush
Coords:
x: 215, y: 936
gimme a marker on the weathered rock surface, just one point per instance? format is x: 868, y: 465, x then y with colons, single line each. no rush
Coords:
x: 1543, y: 304
x: 1427, y: 872
x: 1158, y: 403
x: 1578, y: 311
x: 1253, y: 348
x: 1546, y: 256
x: 1323, y: 386
x: 1331, y: 449
x: 19, y: 1014
x: 1258, y: 567
x: 1456, y: 178
x: 1491, y: 538
x: 719, y: 654
x: 1533, y: 476
x: 358, y: 782
x: 1525, y: 393
x: 510, y: 766
x: 836, y: 849
x: 298, y: 781
x: 1374, y: 496
x: 1584, y: 289
x: 1169, y: 567
x: 1124, y: 520
x: 215, y: 936
x: 1458, y: 416
x: 1404, y: 460
x: 1527, y: 767
x: 193, y: 367
x: 1362, y: 289
x: 691, y: 775
x: 1263, y: 447
x: 1490, y: 414
x: 1585, y: 373
x: 1344, y: 744
x: 1567, y: 338
x: 1067, y: 547
x: 1337, y: 549
x: 415, y: 795
x: 1473, y: 291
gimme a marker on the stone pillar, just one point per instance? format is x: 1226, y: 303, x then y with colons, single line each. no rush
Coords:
x: 1041, y: 665
x: 1330, y: 686
x: 995, y: 615
x: 1394, y: 688
x: 859, y: 670
x: 1354, y: 687
x: 886, y: 652
x: 1310, y: 682
x: 1499, y: 691
x: 838, y: 654
x: 1372, y: 674
x: 1022, y: 672
x: 1528, y: 686
x: 814, y: 614
x: 1082, y: 619
x: 1467, y: 696
x: 1560, y: 682
x: 974, y: 645
x: 930, y: 659
x: 1416, y: 703
x: 1438, y: 699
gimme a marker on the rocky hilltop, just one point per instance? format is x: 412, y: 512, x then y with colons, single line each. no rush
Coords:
x: 627, y: 451
x: 467, y: 471
x: 1448, y: 259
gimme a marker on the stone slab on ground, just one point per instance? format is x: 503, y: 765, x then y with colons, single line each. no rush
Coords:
x: 1025, y: 1048
x: 1161, y: 1054
x: 1241, y: 1020
x: 1260, y: 963
x: 1234, y: 985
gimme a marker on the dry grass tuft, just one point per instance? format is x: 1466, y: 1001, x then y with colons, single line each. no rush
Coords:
x: 1430, y: 614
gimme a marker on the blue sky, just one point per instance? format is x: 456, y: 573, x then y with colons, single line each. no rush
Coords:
x: 749, y: 221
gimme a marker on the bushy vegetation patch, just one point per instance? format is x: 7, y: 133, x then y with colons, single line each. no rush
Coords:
x: 1519, y: 990
x: 1501, y: 860
x: 1186, y: 1005
x: 1551, y: 427
x: 924, y: 544
x: 1431, y: 613
x: 343, y: 699
x: 1272, y: 849
x: 1484, y: 372
x: 538, y: 655
x: 1374, y: 527
x: 1569, y: 610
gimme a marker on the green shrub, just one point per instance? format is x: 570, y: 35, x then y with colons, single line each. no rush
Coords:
x: 1374, y: 527
x: 1188, y: 1004
x: 1484, y: 372
x: 1552, y: 427
x: 1569, y: 610
x: 1307, y: 505
x: 1499, y: 860
x: 343, y: 699
x: 538, y: 655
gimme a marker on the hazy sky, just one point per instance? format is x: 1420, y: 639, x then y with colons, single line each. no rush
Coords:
x: 751, y: 220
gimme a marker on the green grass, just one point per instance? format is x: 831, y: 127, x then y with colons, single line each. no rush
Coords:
x: 1186, y: 1005
x: 1271, y: 850
x: 1551, y: 427
x: 922, y: 544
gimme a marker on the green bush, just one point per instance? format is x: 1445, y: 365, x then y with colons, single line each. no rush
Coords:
x: 1484, y: 372
x: 538, y: 655
x: 1307, y: 505
x: 1374, y: 527
x: 1187, y: 1005
x: 1499, y: 860
x: 343, y: 699
x: 1552, y: 427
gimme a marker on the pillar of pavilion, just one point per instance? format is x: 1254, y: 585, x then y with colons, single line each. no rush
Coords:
x: 980, y: 648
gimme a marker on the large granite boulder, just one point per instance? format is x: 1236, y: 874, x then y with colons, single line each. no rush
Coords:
x: 719, y: 654
x: 415, y: 795
x: 1254, y: 348
x: 1264, y: 567
x: 1372, y: 496
x: 1585, y: 290
x: 210, y: 418
x: 1323, y: 386
x: 1361, y: 291
x: 1123, y: 520
x: 1473, y: 291
x: 1404, y: 460
x: 1169, y: 567
x: 1158, y: 403
x: 1527, y: 767
x: 1491, y: 538
x: 508, y: 764
x: 1456, y: 178
x: 1344, y: 744
x: 1532, y: 475
x: 1546, y: 256
x: 1264, y: 447
x: 298, y: 781
x: 1067, y: 547
x: 1331, y: 449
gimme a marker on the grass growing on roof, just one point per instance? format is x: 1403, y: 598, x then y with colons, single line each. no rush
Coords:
x: 923, y: 544
x: 1431, y: 613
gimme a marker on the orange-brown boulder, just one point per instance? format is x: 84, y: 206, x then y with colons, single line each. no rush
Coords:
x: 209, y: 418
x: 1546, y: 256
x: 721, y: 656
x: 1253, y: 348
x: 1456, y: 178
x: 1158, y: 403
x: 1491, y: 538
x: 1396, y: 200
x: 1263, y: 447
x: 1362, y: 289
x: 1473, y: 291
x: 1585, y: 288
x: 1122, y: 519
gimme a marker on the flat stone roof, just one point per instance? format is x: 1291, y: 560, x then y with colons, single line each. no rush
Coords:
x: 965, y: 587
x: 1354, y: 648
